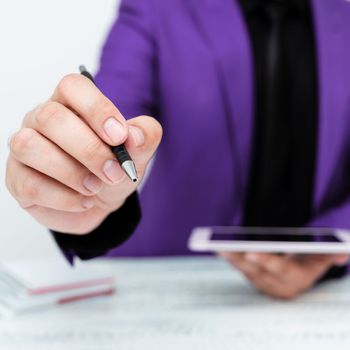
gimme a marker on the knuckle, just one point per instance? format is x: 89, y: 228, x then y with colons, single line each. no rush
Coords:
x: 93, y: 150
x: 101, y: 106
x: 68, y: 82
x: 280, y: 269
x: 28, y: 116
x: 70, y: 202
x: 47, y: 112
x: 20, y: 141
x: 27, y: 190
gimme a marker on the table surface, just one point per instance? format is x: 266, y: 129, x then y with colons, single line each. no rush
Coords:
x: 186, y: 303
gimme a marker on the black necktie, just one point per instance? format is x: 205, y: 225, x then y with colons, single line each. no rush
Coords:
x: 272, y: 197
x: 274, y: 58
x: 281, y: 178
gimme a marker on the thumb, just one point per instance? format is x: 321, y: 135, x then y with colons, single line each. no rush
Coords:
x: 319, y: 263
x: 145, y: 134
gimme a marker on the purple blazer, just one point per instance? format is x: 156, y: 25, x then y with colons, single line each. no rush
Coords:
x: 189, y: 64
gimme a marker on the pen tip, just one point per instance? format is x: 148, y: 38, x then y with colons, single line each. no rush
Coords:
x: 130, y: 169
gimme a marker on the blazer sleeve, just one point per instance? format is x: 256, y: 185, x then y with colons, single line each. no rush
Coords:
x: 128, y: 62
x: 126, y: 77
x: 113, y: 231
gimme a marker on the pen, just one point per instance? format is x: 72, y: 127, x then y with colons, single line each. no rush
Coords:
x: 120, y: 151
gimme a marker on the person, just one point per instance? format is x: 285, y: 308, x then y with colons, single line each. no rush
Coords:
x: 253, y: 98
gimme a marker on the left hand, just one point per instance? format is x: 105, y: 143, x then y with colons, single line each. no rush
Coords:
x: 283, y: 276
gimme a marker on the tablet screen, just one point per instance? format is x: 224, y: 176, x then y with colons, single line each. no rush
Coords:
x: 257, y: 237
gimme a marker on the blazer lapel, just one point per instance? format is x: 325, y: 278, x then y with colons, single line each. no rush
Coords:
x: 330, y: 22
x: 223, y: 28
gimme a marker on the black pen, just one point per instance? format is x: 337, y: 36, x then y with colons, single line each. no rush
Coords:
x: 120, y: 151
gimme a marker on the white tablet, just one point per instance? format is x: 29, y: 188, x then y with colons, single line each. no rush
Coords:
x: 270, y: 240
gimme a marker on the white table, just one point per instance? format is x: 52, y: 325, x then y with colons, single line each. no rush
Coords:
x: 186, y: 303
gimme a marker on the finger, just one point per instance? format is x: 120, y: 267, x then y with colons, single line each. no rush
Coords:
x: 280, y: 266
x: 145, y: 134
x: 30, y: 188
x: 80, y: 94
x: 231, y: 257
x: 279, y: 276
x: 250, y: 270
x: 72, y: 222
x: 308, y: 269
x: 316, y: 265
x: 144, y: 137
x: 341, y: 259
x: 274, y: 287
x: 269, y: 283
x: 70, y: 133
x: 32, y: 149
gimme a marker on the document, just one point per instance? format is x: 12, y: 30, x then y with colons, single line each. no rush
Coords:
x: 186, y: 303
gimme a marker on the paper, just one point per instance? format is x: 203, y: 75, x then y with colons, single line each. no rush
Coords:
x: 40, y: 283
x: 187, y: 304
x: 50, y: 273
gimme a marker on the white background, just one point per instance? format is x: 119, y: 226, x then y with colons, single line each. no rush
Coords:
x: 40, y: 41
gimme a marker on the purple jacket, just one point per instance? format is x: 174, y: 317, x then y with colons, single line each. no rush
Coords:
x: 189, y: 64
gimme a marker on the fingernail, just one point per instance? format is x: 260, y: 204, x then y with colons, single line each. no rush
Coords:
x: 114, y: 130
x: 137, y: 135
x: 252, y: 257
x: 87, y: 203
x: 113, y: 170
x: 92, y: 183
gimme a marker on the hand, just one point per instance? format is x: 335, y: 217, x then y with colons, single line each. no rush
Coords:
x: 283, y: 277
x: 61, y: 169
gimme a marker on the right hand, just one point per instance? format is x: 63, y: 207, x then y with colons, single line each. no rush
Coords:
x: 60, y: 168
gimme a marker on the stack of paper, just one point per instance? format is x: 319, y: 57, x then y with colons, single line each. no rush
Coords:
x: 32, y: 284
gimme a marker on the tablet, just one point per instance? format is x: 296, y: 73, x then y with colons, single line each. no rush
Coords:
x: 270, y: 240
